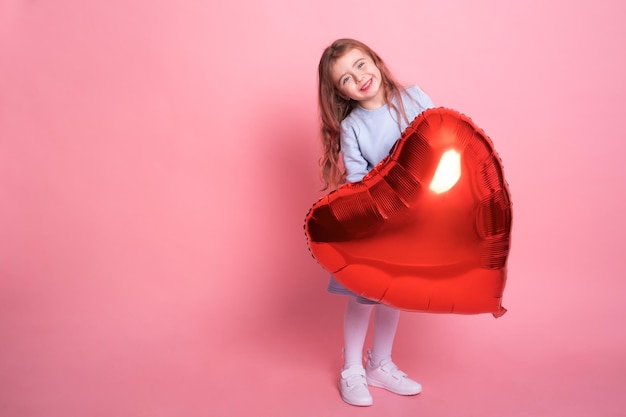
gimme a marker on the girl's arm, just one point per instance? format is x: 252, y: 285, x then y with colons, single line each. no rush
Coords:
x: 422, y: 99
x: 356, y: 165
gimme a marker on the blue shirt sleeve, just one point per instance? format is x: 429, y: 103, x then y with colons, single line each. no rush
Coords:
x: 423, y: 101
x: 356, y: 165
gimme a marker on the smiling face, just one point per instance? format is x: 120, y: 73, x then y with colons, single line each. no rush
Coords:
x: 357, y: 77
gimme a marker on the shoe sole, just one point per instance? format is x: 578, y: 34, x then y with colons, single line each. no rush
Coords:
x: 376, y: 384
x: 357, y: 404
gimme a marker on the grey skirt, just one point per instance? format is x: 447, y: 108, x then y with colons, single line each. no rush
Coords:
x: 335, y: 287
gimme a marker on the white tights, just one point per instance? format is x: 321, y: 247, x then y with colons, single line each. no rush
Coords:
x: 355, y: 326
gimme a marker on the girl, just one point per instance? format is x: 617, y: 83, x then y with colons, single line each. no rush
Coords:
x: 363, y: 113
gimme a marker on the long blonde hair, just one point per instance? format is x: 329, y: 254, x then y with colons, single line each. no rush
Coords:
x: 334, y: 108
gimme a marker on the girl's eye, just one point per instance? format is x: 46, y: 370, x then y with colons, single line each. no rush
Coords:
x: 361, y: 65
x: 345, y: 80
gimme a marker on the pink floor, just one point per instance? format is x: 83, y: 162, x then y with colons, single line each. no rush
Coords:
x: 118, y: 361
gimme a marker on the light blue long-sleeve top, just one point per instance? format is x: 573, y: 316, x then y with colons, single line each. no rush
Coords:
x: 366, y: 138
x: 368, y: 135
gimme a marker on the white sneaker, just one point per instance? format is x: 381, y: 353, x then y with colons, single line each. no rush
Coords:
x: 388, y: 376
x: 353, y: 386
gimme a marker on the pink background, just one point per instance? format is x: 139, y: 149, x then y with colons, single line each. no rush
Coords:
x: 157, y: 159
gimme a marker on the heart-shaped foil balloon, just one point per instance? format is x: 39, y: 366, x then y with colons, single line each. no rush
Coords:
x: 428, y: 229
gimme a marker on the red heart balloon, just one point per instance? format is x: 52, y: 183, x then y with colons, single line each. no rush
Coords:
x: 428, y: 229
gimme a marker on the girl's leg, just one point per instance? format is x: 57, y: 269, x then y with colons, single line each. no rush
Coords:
x: 353, y: 380
x: 385, y: 326
x: 381, y: 371
x: 356, y: 321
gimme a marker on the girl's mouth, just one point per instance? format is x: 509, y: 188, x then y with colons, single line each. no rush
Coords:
x: 367, y: 85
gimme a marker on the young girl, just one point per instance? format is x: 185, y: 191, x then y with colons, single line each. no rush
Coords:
x: 364, y: 111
